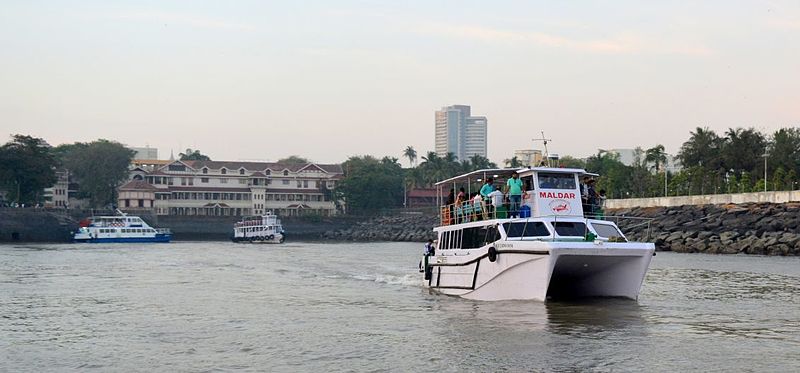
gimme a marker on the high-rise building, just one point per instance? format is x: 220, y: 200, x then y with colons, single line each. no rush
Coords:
x: 145, y: 152
x: 460, y: 133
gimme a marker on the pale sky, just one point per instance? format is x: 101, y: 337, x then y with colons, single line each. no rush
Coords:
x: 258, y: 80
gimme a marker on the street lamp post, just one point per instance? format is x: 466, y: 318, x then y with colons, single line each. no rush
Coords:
x: 765, y: 171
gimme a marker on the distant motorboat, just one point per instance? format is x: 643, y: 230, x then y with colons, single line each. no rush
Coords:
x: 555, y: 248
x: 265, y: 228
x: 121, y: 228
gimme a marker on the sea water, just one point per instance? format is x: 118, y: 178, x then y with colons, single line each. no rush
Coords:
x: 218, y: 306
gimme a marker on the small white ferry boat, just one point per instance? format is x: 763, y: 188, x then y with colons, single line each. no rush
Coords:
x: 120, y: 228
x: 553, y: 249
x: 265, y: 228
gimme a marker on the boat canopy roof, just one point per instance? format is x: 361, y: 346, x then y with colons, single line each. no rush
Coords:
x: 505, y: 173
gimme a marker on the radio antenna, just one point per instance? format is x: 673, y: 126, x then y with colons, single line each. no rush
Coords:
x: 544, y: 140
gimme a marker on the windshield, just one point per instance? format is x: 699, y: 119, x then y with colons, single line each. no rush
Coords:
x: 568, y: 228
x: 556, y: 180
x: 526, y: 229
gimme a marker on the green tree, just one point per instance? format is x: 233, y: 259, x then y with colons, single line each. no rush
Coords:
x: 479, y: 162
x: 27, y: 166
x: 193, y: 155
x: 656, y: 156
x: 512, y: 162
x: 784, y: 150
x: 294, y: 160
x: 99, y: 167
x: 411, y: 154
x: 745, y: 183
x: 702, y: 149
x: 370, y: 185
x: 790, y: 181
x: 743, y: 150
x: 571, y: 162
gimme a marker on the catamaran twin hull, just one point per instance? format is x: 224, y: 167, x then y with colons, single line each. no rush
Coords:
x: 542, y: 270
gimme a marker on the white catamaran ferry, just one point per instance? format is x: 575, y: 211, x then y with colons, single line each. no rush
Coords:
x: 265, y: 228
x: 121, y: 228
x: 553, y: 249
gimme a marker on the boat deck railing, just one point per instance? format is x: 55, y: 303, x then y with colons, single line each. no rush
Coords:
x: 472, y: 211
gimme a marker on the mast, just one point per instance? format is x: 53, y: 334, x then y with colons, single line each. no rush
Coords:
x: 546, y: 154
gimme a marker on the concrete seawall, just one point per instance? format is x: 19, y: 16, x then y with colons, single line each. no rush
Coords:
x: 708, y: 199
x: 38, y: 225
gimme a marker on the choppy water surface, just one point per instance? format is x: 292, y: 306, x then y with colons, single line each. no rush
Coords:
x: 361, y: 307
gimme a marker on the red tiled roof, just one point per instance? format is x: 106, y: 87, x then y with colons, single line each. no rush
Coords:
x: 138, y: 185
x: 260, y: 166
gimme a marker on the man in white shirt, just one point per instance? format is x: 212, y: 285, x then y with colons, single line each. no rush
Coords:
x: 497, y: 200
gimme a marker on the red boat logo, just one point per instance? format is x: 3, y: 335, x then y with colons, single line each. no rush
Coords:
x: 560, y: 207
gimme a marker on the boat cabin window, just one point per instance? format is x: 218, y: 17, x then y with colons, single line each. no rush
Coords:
x: 526, y: 229
x: 556, y: 180
x: 569, y: 228
x: 468, y: 238
x: 606, y: 230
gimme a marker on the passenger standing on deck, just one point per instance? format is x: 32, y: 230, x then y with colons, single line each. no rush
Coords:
x: 477, y: 207
x: 514, y: 190
x: 585, y: 192
x: 591, y: 198
x: 487, y: 188
x: 497, y: 200
x: 459, y: 206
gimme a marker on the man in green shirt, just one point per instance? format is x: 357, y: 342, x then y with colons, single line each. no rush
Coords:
x: 514, y: 190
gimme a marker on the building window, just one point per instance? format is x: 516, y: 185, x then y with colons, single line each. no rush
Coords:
x: 242, y: 181
x: 268, y: 172
x: 205, y: 170
x: 241, y: 171
x: 223, y: 171
x: 177, y: 167
x: 286, y: 182
x: 183, y: 181
x: 305, y: 183
x: 204, y: 180
x: 223, y: 180
x: 299, y: 183
x: 285, y: 173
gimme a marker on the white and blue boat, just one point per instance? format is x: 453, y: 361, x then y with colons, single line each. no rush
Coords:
x: 119, y: 229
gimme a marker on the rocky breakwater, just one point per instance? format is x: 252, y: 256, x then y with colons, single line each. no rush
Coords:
x: 403, y: 227
x: 757, y: 228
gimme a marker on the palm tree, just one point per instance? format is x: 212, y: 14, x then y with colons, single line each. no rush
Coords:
x: 411, y: 154
x: 512, y: 162
x: 657, y: 156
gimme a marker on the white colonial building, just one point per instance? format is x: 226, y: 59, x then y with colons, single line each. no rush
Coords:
x: 221, y: 188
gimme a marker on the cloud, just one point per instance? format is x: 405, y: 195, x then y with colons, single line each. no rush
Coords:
x: 623, y: 44
x: 184, y: 19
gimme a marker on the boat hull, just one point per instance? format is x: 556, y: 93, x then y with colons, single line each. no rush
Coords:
x: 543, y: 271
x: 277, y: 239
x: 156, y: 239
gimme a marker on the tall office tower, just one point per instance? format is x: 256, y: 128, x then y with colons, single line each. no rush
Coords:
x: 458, y: 132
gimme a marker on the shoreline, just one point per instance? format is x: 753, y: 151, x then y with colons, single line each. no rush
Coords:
x: 749, y: 228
